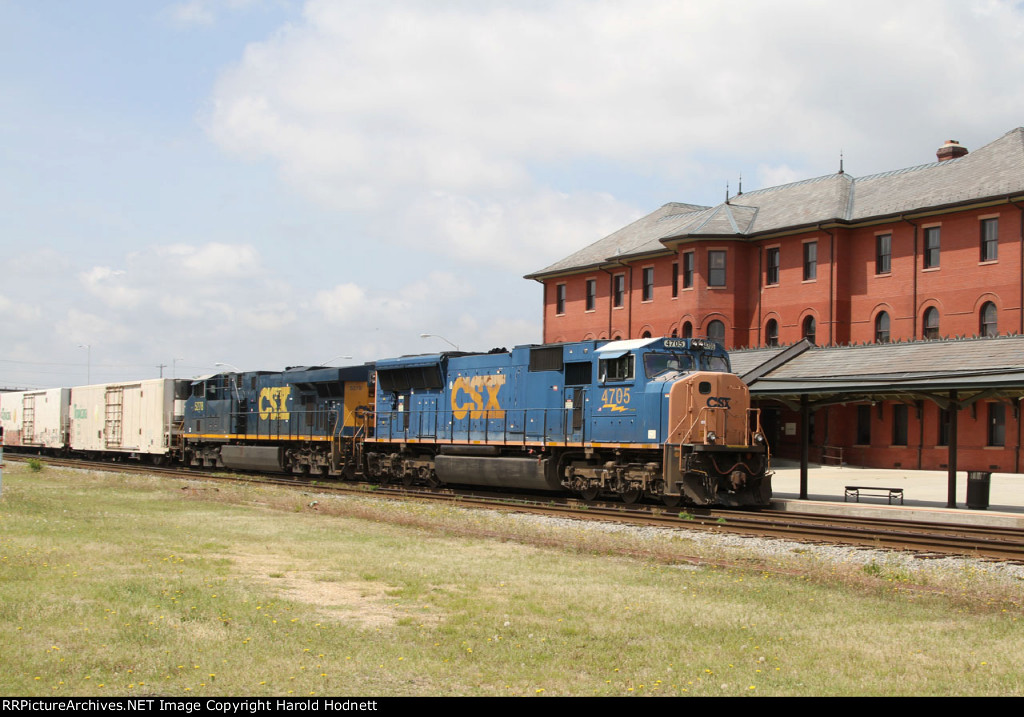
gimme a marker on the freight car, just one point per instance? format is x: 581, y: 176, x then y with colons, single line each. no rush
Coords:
x: 302, y: 420
x: 36, y: 419
x: 128, y: 419
x: 662, y: 418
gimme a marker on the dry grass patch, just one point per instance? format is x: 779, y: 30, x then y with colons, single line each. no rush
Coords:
x: 364, y: 603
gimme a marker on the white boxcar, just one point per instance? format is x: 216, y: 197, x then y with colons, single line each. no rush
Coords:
x: 135, y: 417
x: 35, y: 418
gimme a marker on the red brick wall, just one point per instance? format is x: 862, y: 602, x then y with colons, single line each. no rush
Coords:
x: 845, y: 297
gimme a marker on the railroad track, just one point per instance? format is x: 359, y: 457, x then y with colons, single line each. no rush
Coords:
x: 924, y: 540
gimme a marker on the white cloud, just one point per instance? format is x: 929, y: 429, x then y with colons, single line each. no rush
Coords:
x: 444, y: 123
x: 110, y: 287
x: 202, y: 12
x: 209, y: 260
x: 18, y: 312
x: 193, y: 12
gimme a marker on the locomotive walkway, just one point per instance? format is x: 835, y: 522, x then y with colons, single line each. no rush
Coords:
x: 924, y: 494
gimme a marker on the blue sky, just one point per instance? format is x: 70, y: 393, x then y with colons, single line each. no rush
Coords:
x: 279, y: 182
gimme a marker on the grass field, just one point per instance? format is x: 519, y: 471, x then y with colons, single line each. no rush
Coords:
x: 115, y: 585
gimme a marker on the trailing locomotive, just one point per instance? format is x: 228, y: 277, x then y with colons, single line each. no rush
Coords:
x: 661, y: 418
x: 301, y: 420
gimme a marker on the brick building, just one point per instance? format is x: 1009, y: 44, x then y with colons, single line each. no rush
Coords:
x: 925, y: 252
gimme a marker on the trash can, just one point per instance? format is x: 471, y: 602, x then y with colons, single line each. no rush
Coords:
x: 978, y: 483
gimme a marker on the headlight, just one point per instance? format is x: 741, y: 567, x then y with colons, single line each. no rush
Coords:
x: 712, y: 437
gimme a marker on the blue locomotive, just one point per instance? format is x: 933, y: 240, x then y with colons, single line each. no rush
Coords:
x: 662, y: 418
x: 301, y: 420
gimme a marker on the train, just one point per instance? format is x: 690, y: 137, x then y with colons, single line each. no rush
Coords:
x: 661, y: 419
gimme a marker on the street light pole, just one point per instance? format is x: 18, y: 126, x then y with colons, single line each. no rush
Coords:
x: 437, y: 336
x: 88, y: 362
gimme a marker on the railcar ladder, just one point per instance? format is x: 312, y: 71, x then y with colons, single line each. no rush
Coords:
x: 28, y: 420
x: 113, y: 417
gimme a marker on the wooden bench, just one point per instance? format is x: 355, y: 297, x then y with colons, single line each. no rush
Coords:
x: 854, y: 491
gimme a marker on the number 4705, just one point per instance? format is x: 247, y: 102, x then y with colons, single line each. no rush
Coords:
x: 615, y: 395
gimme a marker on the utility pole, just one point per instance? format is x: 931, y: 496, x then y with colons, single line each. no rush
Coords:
x: 161, y: 367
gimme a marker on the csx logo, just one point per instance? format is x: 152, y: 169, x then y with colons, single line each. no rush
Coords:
x: 274, y: 403
x: 473, y: 388
x: 718, y: 402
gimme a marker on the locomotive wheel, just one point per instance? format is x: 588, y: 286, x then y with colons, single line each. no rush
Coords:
x: 408, y: 478
x: 630, y: 496
x: 590, y: 494
x: 671, y: 500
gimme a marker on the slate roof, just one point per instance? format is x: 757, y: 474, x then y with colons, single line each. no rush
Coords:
x: 995, y: 170
x: 996, y: 364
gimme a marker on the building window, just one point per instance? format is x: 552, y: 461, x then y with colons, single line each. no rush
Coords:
x: 864, y: 425
x: 930, y: 325
x: 899, y: 424
x: 771, y: 333
x: 882, y: 328
x: 944, y: 419
x: 988, y: 320
x: 931, y: 247
x: 618, y: 290
x: 996, y: 424
x: 716, y: 330
x: 989, y: 239
x: 772, y: 277
x: 883, y: 253
x: 648, y: 283
x: 675, y: 279
x: 687, y: 330
x: 688, y: 270
x: 810, y: 260
x: 810, y: 329
x: 560, y: 299
x: 591, y: 294
x: 716, y: 268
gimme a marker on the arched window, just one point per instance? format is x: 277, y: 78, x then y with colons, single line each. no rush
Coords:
x: 882, y: 328
x: 675, y: 333
x: 687, y: 330
x: 771, y: 333
x: 930, y: 324
x: 987, y: 325
x: 716, y: 331
x: 810, y: 329
x: 645, y: 335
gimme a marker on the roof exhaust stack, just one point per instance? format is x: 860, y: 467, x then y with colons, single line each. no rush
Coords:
x: 950, y: 150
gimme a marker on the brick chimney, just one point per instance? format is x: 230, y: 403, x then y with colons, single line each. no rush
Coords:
x: 950, y: 150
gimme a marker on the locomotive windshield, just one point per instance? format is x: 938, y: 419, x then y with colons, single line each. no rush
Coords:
x: 719, y: 363
x: 666, y: 364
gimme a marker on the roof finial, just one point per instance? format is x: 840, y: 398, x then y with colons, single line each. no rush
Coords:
x: 727, y: 192
x: 741, y: 185
x: 841, y: 162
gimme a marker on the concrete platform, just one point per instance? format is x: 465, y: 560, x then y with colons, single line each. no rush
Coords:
x: 924, y: 494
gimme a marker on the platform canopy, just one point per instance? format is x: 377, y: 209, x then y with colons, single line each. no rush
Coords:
x: 953, y: 373
x: 976, y: 369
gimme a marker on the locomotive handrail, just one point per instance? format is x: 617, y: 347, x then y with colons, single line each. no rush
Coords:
x: 480, y: 429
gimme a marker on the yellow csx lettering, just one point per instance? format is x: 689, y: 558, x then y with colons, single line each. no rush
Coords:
x: 472, y: 387
x: 274, y: 403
